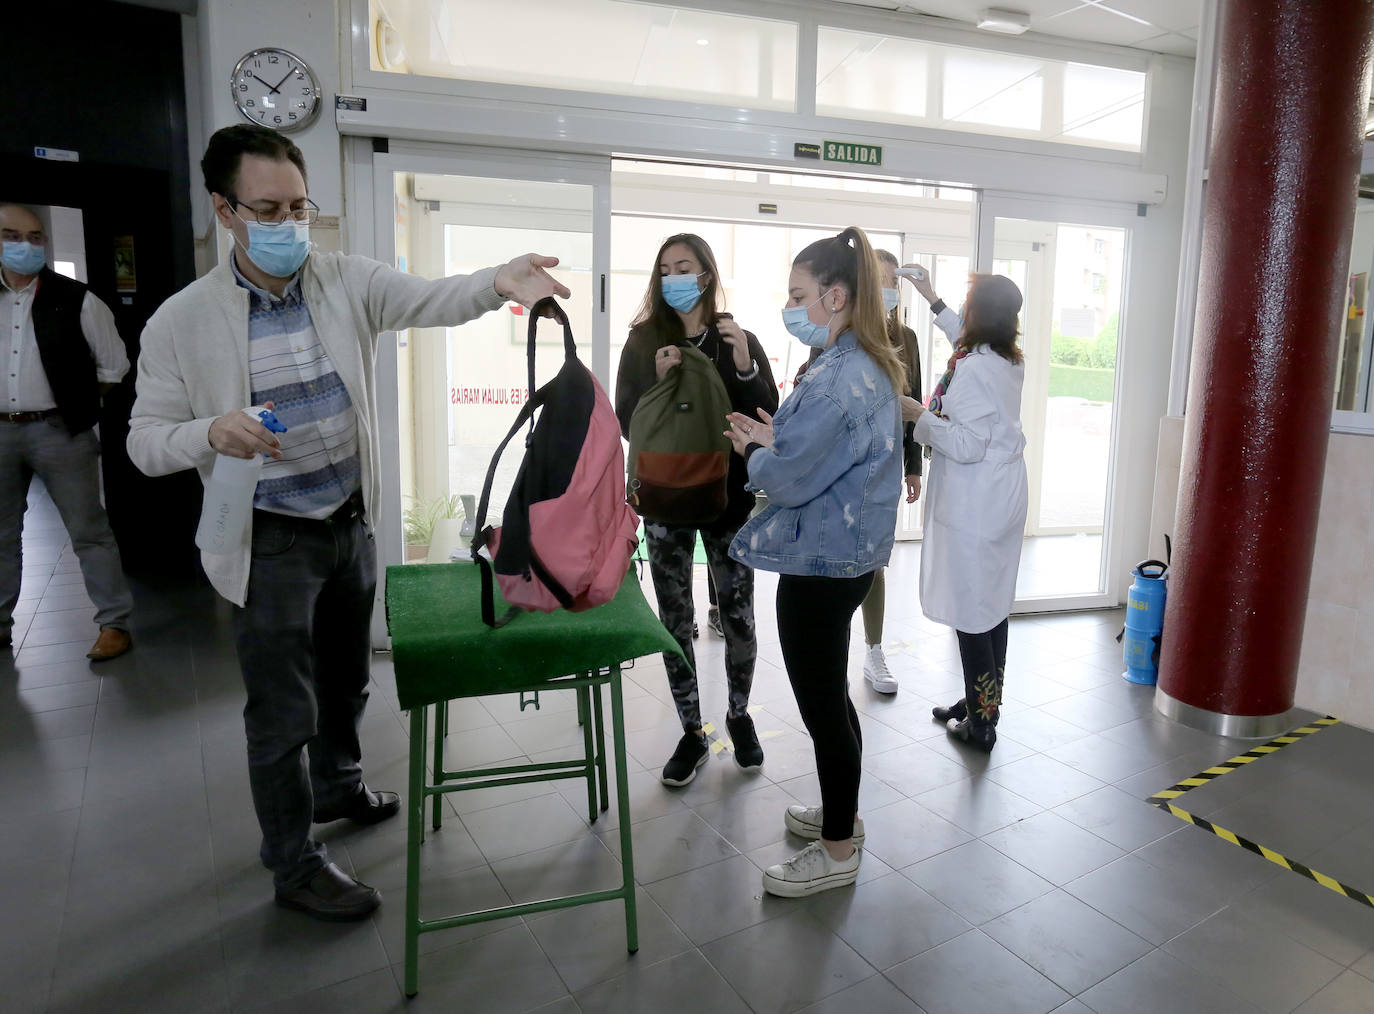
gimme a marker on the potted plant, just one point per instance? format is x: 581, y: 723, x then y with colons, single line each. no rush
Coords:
x: 420, y: 519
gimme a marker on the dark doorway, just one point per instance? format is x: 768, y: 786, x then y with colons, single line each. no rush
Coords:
x: 125, y: 120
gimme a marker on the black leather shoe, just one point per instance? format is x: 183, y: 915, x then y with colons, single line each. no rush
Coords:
x: 981, y: 737
x: 332, y: 895
x: 957, y: 711
x: 367, y: 807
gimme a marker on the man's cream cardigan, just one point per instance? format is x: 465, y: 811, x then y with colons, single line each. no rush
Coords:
x: 193, y: 364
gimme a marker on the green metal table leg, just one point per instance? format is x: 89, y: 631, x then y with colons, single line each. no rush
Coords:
x: 601, y: 748
x: 415, y: 826
x: 440, y: 733
x: 622, y: 790
x: 588, y: 749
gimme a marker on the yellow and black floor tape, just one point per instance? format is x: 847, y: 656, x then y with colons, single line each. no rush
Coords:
x: 1235, y: 763
x: 1164, y: 799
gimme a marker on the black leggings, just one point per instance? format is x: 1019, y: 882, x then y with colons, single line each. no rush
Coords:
x: 984, y: 658
x: 814, y: 614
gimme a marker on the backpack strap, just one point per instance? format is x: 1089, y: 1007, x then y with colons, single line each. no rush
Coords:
x: 482, y: 531
x: 537, y: 311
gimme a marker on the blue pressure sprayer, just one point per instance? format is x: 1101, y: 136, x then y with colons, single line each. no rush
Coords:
x: 229, y: 493
x: 1144, y: 622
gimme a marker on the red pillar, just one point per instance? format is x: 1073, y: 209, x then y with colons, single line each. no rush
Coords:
x: 1288, y: 129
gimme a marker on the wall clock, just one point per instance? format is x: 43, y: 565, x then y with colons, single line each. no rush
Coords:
x: 275, y: 88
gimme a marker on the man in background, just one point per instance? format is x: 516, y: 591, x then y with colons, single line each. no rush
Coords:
x: 61, y: 351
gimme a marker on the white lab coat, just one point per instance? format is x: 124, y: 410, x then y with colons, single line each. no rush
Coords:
x: 975, y: 492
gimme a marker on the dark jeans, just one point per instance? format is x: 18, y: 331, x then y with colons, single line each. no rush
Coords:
x: 305, y: 650
x: 984, y: 660
x: 814, y: 614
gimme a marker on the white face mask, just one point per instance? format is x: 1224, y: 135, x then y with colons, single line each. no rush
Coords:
x: 891, y: 297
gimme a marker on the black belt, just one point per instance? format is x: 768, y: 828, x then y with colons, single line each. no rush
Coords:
x: 346, y: 511
x: 28, y: 417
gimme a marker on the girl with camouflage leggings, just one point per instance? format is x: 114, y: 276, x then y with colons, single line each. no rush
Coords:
x: 683, y: 305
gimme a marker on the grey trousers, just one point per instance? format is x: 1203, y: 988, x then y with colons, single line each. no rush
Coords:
x: 305, y: 650
x: 69, y: 467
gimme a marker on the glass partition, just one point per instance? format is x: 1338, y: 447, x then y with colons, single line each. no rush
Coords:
x: 898, y: 80
x: 604, y: 46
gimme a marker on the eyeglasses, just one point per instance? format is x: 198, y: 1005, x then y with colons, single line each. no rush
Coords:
x: 15, y: 236
x: 306, y: 215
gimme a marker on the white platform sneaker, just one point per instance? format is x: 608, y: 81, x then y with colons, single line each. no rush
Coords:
x: 811, y: 871
x: 876, y: 672
x: 805, y: 822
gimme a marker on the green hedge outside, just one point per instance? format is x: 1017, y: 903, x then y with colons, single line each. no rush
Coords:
x: 1081, y: 382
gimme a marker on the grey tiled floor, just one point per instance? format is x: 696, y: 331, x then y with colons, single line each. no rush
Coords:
x: 1035, y: 879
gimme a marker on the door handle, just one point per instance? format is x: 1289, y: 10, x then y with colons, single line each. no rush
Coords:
x: 603, y: 293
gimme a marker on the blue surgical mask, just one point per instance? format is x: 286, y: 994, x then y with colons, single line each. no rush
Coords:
x: 681, y: 291
x: 797, y: 320
x: 24, y: 258
x: 279, y: 250
x: 891, y: 297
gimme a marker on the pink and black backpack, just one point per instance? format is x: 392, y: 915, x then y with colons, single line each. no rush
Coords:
x: 567, y: 534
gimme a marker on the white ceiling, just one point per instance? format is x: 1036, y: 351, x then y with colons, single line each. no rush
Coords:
x: 1158, y: 26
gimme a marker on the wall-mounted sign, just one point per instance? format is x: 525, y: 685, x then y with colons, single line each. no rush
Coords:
x: 840, y: 151
x: 353, y: 103
x: 852, y: 154
x: 126, y: 275
x: 57, y: 154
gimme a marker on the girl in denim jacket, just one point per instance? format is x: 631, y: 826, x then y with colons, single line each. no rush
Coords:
x: 831, y: 463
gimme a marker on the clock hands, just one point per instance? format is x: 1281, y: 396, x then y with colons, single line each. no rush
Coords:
x: 283, y: 80
x: 270, y: 87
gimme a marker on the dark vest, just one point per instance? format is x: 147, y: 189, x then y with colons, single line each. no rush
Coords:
x: 63, y: 350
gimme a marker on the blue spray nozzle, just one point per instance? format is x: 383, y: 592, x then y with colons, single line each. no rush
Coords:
x: 270, y: 420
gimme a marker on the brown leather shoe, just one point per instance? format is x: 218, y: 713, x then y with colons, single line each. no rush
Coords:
x: 332, y: 895
x: 111, y: 643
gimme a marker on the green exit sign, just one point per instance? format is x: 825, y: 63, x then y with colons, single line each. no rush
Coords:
x: 852, y: 154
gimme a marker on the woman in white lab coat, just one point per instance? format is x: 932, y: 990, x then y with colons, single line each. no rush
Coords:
x: 975, y: 507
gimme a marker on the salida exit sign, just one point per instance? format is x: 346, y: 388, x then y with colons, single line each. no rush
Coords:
x: 841, y: 151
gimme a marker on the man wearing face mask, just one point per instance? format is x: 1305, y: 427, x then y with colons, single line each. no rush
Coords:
x: 281, y: 325
x: 62, y: 350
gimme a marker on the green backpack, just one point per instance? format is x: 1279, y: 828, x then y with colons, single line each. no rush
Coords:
x: 679, y: 455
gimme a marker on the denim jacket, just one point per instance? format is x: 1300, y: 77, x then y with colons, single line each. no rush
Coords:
x: 833, y: 475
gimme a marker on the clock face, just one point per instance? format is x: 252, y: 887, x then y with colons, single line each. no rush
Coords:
x: 276, y: 89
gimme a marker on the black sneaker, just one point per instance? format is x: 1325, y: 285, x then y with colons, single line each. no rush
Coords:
x: 696, y: 631
x: 691, y: 753
x: 748, y: 752
x: 713, y: 621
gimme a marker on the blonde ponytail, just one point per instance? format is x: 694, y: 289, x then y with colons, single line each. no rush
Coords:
x: 867, y: 318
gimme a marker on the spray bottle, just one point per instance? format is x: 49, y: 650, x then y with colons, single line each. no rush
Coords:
x: 229, y: 493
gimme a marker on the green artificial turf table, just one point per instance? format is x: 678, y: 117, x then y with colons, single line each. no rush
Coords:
x: 442, y: 651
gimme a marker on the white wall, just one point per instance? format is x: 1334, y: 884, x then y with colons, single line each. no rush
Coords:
x: 221, y: 33
x: 1149, y: 318
x: 67, y: 235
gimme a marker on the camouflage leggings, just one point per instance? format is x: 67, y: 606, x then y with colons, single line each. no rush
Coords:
x: 670, y: 563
